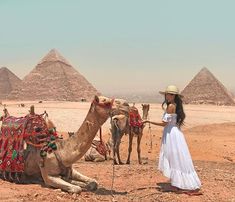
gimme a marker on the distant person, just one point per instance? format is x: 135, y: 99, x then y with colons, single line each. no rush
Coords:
x: 175, y: 161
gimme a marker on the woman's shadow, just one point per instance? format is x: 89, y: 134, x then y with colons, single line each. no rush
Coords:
x: 165, y: 187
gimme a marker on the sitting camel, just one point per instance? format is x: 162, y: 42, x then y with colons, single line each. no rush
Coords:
x: 121, y: 124
x: 56, y: 167
x: 99, y: 151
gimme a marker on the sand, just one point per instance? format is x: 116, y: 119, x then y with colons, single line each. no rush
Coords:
x: 210, y: 134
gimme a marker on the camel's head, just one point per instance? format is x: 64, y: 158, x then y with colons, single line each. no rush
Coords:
x: 102, y: 105
x: 120, y: 106
x: 119, y: 121
x: 145, y: 108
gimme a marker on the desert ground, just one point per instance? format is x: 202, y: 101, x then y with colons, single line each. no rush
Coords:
x: 210, y: 134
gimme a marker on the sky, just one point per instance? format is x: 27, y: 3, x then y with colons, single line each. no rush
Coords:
x: 125, y: 45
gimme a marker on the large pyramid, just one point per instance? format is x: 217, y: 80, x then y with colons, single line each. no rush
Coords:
x: 8, y: 82
x: 206, y: 89
x: 54, y: 78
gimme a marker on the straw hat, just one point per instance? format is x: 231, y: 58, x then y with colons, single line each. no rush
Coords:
x: 171, y: 89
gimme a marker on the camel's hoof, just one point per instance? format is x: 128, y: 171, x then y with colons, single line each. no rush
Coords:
x: 121, y: 163
x: 75, y: 189
x: 128, y: 162
x: 140, y: 162
x: 92, y: 186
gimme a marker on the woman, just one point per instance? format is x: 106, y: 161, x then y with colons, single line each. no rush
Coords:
x: 175, y: 160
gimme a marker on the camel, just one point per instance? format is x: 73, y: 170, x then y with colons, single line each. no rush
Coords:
x: 93, y: 154
x: 21, y: 105
x: 145, y: 109
x: 56, y: 168
x: 120, y: 125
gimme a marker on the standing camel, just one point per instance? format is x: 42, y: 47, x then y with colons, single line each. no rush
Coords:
x: 56, y: 168
x: 120, y: 125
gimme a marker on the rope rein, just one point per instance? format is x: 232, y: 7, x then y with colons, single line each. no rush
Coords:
x: 113, y: 173
x: 150, y: 134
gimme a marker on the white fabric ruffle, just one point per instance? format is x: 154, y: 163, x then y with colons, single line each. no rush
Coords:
x: 175, y: 160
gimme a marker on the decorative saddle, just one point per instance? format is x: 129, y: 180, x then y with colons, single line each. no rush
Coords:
x: 15, y: 132
x: 135, y: 120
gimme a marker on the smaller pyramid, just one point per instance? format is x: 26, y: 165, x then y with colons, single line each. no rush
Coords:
x: 205, y: 88
x: 8, y: 82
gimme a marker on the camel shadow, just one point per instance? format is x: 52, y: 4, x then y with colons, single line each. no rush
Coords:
x: 104, y: 191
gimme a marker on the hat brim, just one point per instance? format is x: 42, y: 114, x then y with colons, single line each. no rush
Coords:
x: 163, y: 93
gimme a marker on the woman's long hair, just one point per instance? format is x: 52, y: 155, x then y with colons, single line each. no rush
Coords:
x: 179, y: 110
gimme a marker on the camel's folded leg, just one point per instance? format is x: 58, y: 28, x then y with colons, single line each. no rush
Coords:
x: 91, y: 184
x: 78, y: 183
x: 59, y: 183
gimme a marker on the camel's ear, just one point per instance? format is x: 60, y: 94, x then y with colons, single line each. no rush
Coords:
x: 142, y: 105
x: 6, y: 113
x: 31, y: 111
x: 96, y: 98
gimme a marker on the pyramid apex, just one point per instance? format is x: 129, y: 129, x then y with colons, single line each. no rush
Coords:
x: 8, y: 82
x: 6, y: 71
x: 204, y: 69
x: 54, y: 56
x: 3, y: 68
x: 54, y: 51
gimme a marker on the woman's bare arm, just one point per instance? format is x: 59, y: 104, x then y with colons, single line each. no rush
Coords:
x: 156, y: 123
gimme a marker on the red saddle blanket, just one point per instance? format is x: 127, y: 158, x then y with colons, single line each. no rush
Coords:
x: 100, y: 147
x: 14, y: 132
x: 135, y: 119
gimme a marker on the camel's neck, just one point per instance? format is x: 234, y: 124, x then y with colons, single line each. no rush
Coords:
x: 145, y: 115
x: 76, y: 146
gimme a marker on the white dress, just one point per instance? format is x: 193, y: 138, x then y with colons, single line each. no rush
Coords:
x: 175, y: 160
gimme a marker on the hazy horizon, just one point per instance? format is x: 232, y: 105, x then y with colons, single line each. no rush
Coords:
x: 125, y: 46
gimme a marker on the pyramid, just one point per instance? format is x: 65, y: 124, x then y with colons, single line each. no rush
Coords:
x: 8, y: 82
x: 206, y: 89
x: 54, y: 78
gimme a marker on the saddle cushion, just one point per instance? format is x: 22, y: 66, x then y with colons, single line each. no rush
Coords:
x: 135, y: 119
x: 31, y: 129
